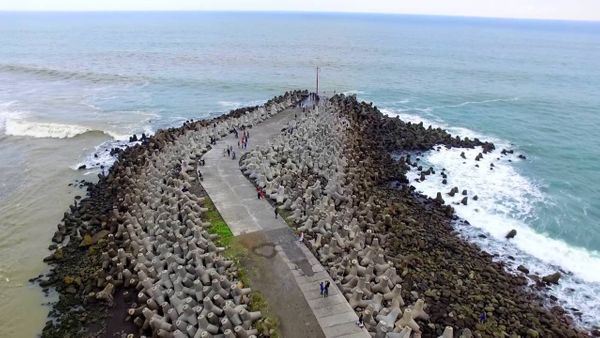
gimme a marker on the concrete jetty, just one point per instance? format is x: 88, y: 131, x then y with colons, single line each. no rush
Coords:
x: 235, y: 198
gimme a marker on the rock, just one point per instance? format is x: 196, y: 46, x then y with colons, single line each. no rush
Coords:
x: 464, y: 200
x: 438, y: 198
x: 453, y: 191
x: 552, y: 278
x: 86, y: 241
x: 511, y: 234
x: 462, y: 154
x: 475, y: 198
x: 521, y: 156
x: 99, y: 235
x: 523, y: 269
x: 532, y: 333
x: 81, y: 167
x: 464, y: 192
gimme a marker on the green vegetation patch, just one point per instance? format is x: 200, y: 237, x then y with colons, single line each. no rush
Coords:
x: 217, y: 224
x: 268, y: 325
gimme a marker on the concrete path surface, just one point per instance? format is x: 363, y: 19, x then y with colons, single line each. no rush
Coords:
x: 254, y: 221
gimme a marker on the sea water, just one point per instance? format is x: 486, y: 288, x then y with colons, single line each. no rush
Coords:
x: 74, y: 85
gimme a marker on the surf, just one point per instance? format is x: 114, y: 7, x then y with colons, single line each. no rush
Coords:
x: 16, y: 126
x: 506, y: 200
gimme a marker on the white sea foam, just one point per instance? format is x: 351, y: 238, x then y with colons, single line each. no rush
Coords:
x: 101, y: 159
x: 507, y: 200
x: 238, y: 104
x: 23, y: 127
x: 353, y: 92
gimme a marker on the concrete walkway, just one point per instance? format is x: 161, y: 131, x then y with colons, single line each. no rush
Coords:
x: 235, y: 198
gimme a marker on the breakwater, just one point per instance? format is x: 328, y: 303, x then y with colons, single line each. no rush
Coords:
x: 135, y: 255
x: 393, y: 252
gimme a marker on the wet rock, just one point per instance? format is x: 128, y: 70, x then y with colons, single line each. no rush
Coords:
x: 511, y: 234
x: 551, y: 278
x: 464, y: 201
x: 523, y: 269
x: 82, y: 167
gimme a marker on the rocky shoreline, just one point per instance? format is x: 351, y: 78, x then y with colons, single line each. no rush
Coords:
x: 135, y: 258
x: 393, y: 252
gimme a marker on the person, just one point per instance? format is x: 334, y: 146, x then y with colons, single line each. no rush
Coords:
x: 276, y: 212
x: 258, y: 192
x: 322, y: 286
x: 301, y: 238
x: 228, y: 152
x: 326, y: 293
x: 482, y: 317
x: 233, y: 155
x: 360, y: 322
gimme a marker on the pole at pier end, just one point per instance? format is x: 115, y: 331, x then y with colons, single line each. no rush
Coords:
x: 317, y: 92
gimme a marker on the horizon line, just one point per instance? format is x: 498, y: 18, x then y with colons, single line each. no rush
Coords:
x: 290, y: 12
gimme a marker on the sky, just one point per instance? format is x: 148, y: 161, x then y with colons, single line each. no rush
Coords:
x: 533, y: 9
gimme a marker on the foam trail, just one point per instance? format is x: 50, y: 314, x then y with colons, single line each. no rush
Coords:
x: 238, y: 104
x: 353, y: 92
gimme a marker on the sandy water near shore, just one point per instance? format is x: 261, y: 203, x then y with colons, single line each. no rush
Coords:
x: 34, y: 183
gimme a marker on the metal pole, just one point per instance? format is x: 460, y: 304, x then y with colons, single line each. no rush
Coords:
x: 317, y: 80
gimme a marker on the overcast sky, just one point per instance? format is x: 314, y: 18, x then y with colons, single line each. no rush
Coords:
x: 537, y: 9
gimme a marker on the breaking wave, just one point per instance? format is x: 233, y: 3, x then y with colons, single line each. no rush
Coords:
x: 508, y: 200
x: 21, y: 127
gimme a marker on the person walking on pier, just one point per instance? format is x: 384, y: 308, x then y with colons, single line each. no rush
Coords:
x: 360, y: 321
x: 322, y: 286
x: 326, y: 291
x: 276, y: 212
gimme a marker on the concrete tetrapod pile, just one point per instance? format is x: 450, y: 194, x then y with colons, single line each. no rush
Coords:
x: 332, y: 170
x: 310, y: 158
x: 144, y: 225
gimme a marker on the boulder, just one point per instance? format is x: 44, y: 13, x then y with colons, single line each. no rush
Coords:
x: 511, y: 234
x: 438, y: 198
x: 552, y: 278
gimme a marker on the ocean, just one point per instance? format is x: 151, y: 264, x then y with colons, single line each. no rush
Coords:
x: 74, y: 85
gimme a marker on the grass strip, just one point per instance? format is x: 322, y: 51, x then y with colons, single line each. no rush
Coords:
x: 268, y: 325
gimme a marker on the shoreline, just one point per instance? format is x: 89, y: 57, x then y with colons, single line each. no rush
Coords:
x: 116, y: 238
x: 372, y: 144
x: 412, y: 231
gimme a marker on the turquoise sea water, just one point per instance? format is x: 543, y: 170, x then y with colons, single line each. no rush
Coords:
x: 533, y: 86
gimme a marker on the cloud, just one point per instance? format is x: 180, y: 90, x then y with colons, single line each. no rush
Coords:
x: 537, y: 9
